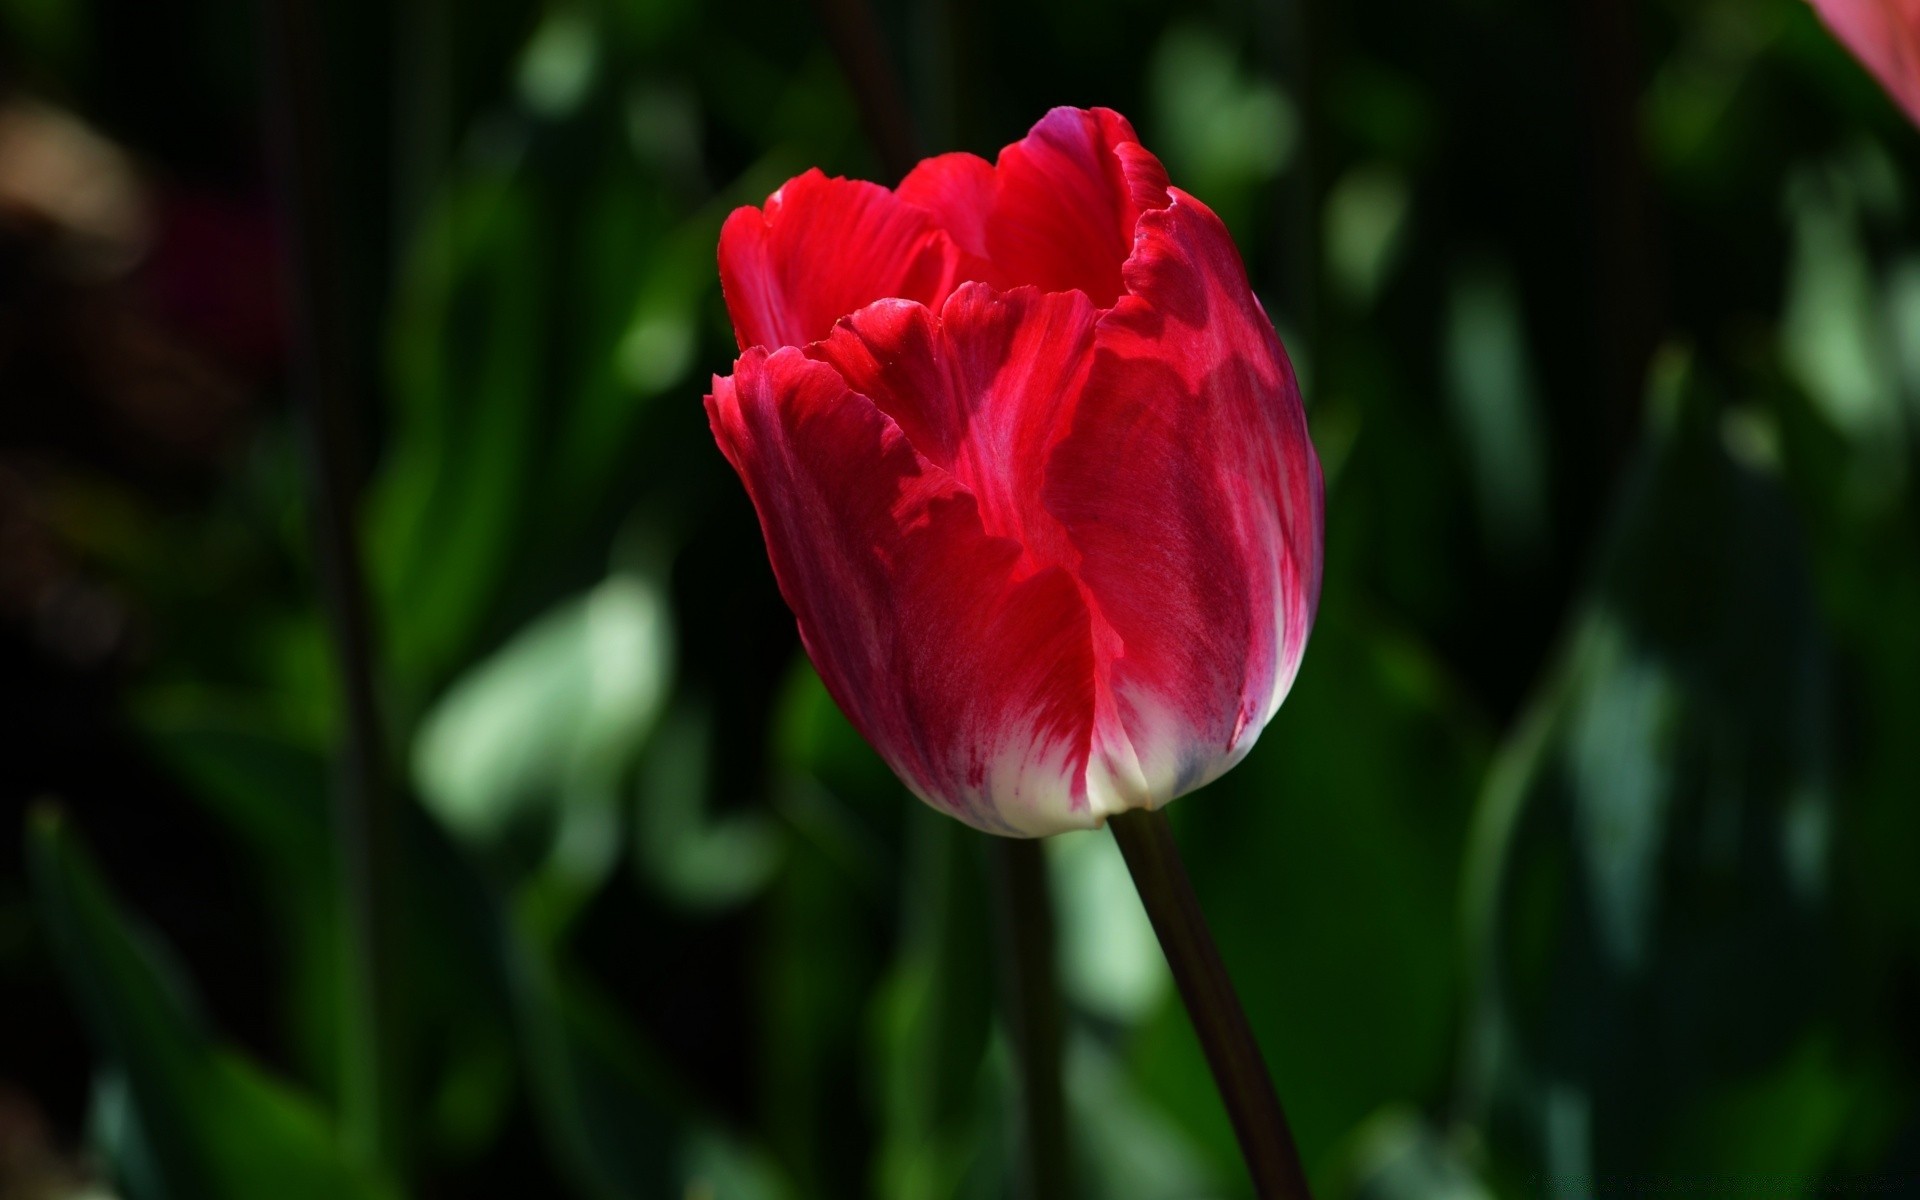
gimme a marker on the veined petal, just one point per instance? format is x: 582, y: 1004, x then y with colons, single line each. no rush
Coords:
x: 1057, y: 210
x: 1191, y: 490
x: 821, y: 248
x: 985, y: 391
x: 958, y: 190
x: 971, y: 676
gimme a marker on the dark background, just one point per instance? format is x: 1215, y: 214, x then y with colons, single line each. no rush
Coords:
x: 1581, y: 858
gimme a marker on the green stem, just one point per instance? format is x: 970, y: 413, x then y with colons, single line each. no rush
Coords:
x: 325, y: 380
x: 1034, y: 1013
x: 1239, y: 1072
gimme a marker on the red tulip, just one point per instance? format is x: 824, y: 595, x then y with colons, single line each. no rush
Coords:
x: 1032, y: 471
x: 1885, y: 36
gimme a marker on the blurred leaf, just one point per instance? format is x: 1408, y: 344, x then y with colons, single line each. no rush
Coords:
x: 722, y: 1167
x: 553, y: 292
x: 1786, y: 1120
x: 1132, y: 1146
x: 458, y: 992
x: 1366, y: 220
x: 1691, y: 106
x: 1834, y: 331
x: 540, y: 735
x: 933, y: 1014
x: 621, y: 1128
x: 827, y: 915
x: 558, y: 66
x: 1111, y: 964
x: 466, y: 383
x: 209, y: 1125
x: 269, y: 790
x: 1397, y: 1155
x: 1491, y: 394
x: 834, y: 790
x: 1650, y: 856
x: 817, y: 969
x: 644, y: 274
x: 265, y: 785
x: 701, y: 860
x: 117, y: 1135
x: 1223, y: 126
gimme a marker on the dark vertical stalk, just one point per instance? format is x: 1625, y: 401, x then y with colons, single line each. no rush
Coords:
x: 1627, y: 297
x: 1034, y: 1014
x: 1239, y: 1071
x: 324, y: 373
x: 857, y: 42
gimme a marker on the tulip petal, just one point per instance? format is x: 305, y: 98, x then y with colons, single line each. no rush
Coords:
x: 985, y: 391
x: 959, y: 191
x: 1194, y: 496
x: 1057, y: 210
x: 972, y: 678
x: 1885, y: 36
x: 821, y: 248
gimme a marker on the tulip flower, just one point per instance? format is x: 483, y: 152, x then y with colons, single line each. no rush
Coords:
x: 1032, y: 470
x: 1885, y: 36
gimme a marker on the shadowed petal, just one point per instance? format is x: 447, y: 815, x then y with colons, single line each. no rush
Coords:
x: 1190, y: 488
x: 972, y: 677
x: 985, y: 391
x: 821, y: 248
x: 958, y: 190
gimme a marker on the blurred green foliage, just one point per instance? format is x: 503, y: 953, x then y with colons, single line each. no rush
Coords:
x: 1583, y: 849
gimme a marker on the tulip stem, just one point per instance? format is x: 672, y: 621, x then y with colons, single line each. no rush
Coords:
x: 1034, y: 1016
x: 326, y: 380
x: 1239, y: 1071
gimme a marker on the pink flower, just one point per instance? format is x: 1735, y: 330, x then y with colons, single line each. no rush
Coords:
x: 1032, y: 471
x: 1885, y: 36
